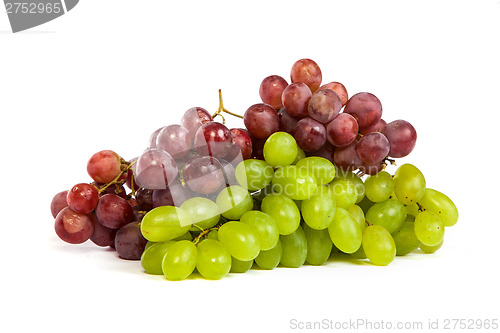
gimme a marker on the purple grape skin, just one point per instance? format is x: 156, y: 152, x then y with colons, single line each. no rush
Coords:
x: 342, y: 130
x: 287, y: 122
x: 58, y: 203
x: 213, y: 139
x: 144, y: 198
x: 194, y: 118
x: 175, y: 140
x: 296, y: 98
x: 375, y: 128
x: 261, y: 120
x: 327, y: 151
x: 366, y: 108
x: 203, y: 174
x: 310, y: 134
x: 73, y: 227
x: 152, y: 138
x: 113, y: 211
x: 339, y: 88
x: 129, y: 242
x: 347, y: 158
x: 373, y: 148
x: 271, y: 89
x: 155, y: 169
x: 402, y: 137
x: 242, y: 145
x: 174, y: 195
x: 324, y: 105
x: 308, y: 72
x: 102, y: 236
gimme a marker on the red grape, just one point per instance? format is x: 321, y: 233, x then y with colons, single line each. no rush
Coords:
x: 327, y: 151
x: 339, y: 89
x: 308, y: 72
x: 174, y: 195
x: 310, y: 134
x: 271, y: 89
x: 194, y: 118
x: 346, y: 158
x: 82, y: 198
x: 58, y: 203
x: 153, y: 137
x: 242, y: 145
x: 144, y: 198
x: 175, y: 140
x: 296, y: 99
x: 129, y: 242
x: 155, y: 169
x: 213, y: 139
x: 104, y: 166
x: 73, y: 227
x: 342, y: 130
x: 375, y: 128
x: 402, y: 137
x: 203, y: 174
x: 261, y: 120
x: 373, y: 148
x: 324, y: 105
x: 113, y: 211
x: 102, y: 236
x: 371, y: 169
x: 366, y: 108
x: 287, y: 122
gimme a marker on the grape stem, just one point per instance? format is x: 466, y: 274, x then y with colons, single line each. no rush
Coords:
x: 125, y: 167
x: 223, y: 109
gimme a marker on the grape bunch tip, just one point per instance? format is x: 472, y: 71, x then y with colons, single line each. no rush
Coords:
x: 304, y: 180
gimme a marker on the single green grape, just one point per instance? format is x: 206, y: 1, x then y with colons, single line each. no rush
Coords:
x: 239, y: 266
x: 294, y: 249
x: 213, y: 234
x: 378, y: 245
x: 283, y: 211
x: 300, y: 155
x: 429, y: 228
x: 321, y: 168
x: 165, y: 223
x: 365, y: 204
x: 441, y: 205
x: 412, y: 209
x: 318, y: 211
x: 430, y: 249
x: 204, y: 212
x: 280, y: 149
x: 319, y: 245
x: 294, y: 182
x: 264, y: 226
x: 254, y: 174
x: 345, y: 232
x: 379, y: 187
x: 240, y: 240
x: 152, y: 257
x: 389, y: 214
x: 409, y: 184
x: 353, y: 178
x: 180, y: 260
x: 358, y: 215
x: 344, y: 192
x: 214, y: 262
x: 405, y: 239
x: 234, y: 201
x: 359, y: 254
x: 271, y: 258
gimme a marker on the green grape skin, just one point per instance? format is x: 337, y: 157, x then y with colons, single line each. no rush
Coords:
x: 345, y: 232
x: 240, y: 240
x: 389, y: 214
x: 271, y: 258
x: 412, y: 210
x: 344, y: 192
x: 280, y: 149
x: 355, y: 179
x: 283, y: 211
x: 409, y: 184
x: 265, y: 227
x: 379, y: 187
x: 152, y: 257
x: 180, y: 260
x: 405, y: 239
x: 378, y: 245
x: 233, y: 202
x: 254, y: 174
x: 294, y: 249
x: 239, y: 266
x: 359, y: 254
x: 430, y: 249
x: 440, y: 204
x: 429, y: 228
x: 365, y: 204
x: 214, y: 262
x: 321, y: 168
x: 410, y: 218
x: 165, y: 223
x: 319, y: 245
x: 318, y: 211
x: 300, y: 155
x: 213, y: 234
x: 204, y: 212
x: 294, y: 182
x: 358, y: 215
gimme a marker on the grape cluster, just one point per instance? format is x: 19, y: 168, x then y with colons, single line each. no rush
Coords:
x: 304, y: 180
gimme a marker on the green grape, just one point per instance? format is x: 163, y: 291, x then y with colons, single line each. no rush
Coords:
x: 405, y: 239
x: 300, y: 155
x: 321, y: 168
x: 319, y: 245
x: 440, y: 204
x: 214, y: 262
x: 271, y: 258
x: 294, y: 249
x: 152, y: 257
x: 344, y: 192
x: 239, y: 266
x: 165, y: 223
x: 254, y: 174
x: 298, y: 203
x: 345, y: 232
x: 389, y: 214
x: 319, y: 209
x: 180, y: 260
x: 240, y: 240
x: 294, y: 182
x: 280, y: 149
x: 359, y: 254
x: 283, y: 211
x: 412, y: 210
x: 353, y: 178
x: 429, y: 228
x: 234, y: 201
x: 149, y: 243
x: 264, y: 226
x: 365, y: 204
x: 430, y: 249
x: 410, y: 218
x: 358, y: 215
x: 378, y: 245
x: 213, y: 234
x: 409, y: 184
x: 204, y: 212
x: 379, y: 187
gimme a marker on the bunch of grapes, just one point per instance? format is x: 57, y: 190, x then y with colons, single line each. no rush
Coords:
x: 302, y: 182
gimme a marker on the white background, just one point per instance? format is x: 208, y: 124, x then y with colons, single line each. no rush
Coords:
x: 108, y: 73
